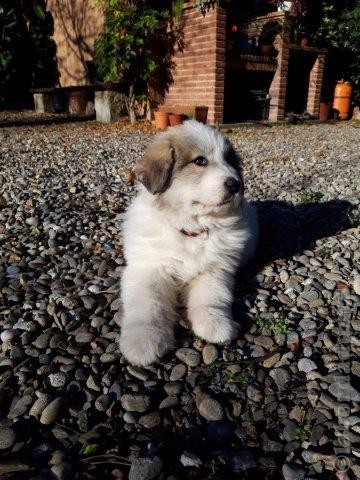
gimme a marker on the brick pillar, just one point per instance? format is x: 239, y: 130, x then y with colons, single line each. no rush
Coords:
x: 199, y: 75
x: 277, y: 89
x: 315, y: 85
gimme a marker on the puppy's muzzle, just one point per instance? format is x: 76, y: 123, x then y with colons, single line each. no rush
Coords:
x: 232, y: 185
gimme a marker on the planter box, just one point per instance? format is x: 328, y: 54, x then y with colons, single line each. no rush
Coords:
x: 196, y: 112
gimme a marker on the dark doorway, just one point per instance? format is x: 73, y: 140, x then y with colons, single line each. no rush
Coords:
x: 246, y: 95
x: 300, y: 65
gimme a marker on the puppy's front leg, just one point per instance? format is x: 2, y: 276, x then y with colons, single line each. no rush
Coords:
x: 147, y: 329
x: 209, y: 307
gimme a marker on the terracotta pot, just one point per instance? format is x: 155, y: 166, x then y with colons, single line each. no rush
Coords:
x: 268, y: 50
x: 175, y: 119
x: 305, y: 42
x: 324, y: 111
x: 161, y: 120
x: 77, y: 102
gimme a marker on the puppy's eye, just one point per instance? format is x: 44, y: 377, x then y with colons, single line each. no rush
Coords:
x: 200, y: 161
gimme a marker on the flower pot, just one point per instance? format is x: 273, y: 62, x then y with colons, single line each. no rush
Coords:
x: 324, y: 111
x: 175, y: 119
x: 77, y: 102
x: 161, y: 120
x: 267, y: 50
x: 304, y: 42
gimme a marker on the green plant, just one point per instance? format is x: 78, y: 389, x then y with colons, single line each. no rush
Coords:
x: 302, y: 431
x: 27, y: 52
x: 307, y: 196
x: 338, y: 30
x: 135, y: 45
x: 278, y: 326
x: 241, y: 378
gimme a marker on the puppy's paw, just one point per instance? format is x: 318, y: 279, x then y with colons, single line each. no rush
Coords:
x: 143, y: 345
x: 216, y: 330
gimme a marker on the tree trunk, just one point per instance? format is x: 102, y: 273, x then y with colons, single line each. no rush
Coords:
x: 130, y: 105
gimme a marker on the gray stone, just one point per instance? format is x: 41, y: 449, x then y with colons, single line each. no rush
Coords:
x: 178, y: 372
x: 133, y: 402
x: 211, y: 409
x: 291, y: 472
x: 209, y: 354
x: 150, y: 420
x: 189, y: 356
x: 7, y: 437
x: 306, y: 365
x: 188, y: 459
x: 51, y: 412
x: 58, y: 379
x: 145, y: 468
x: 281, y: 377
x: 290, y: 431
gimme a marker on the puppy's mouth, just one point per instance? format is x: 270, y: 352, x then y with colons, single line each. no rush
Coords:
x: 223, y: 203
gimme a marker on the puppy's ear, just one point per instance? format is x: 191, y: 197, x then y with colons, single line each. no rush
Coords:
x: 156, y: 168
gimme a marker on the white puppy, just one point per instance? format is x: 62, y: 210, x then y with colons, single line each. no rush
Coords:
x: 185, y: 234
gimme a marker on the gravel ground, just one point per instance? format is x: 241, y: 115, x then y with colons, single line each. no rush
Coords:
x: 281, y: 402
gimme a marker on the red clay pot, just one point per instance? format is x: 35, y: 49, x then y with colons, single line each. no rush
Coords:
x: 175, y: 119
x: 161, y: 120
x: 324, y: 111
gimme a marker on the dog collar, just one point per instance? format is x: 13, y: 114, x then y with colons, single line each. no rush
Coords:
x: 190, y: 233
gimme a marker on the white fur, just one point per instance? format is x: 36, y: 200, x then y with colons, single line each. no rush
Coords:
x: 164, y: 265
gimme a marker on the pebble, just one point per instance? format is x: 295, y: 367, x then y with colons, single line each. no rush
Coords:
x: 291, y: 472
x: 7, y: 437
x: 60, y: 294
x: 150, y: 420
x: 209, y: 354
x: 188, y: 459
x: 51, y: 412
x: 135, y: 402
x: 281, y: 377
x: 189, y: 356
x: 19, y: 406
x: 306, y: 365
x: 178, y: 372
x: 58, y: 380
x: 211, y: 409
x: 145, y: 468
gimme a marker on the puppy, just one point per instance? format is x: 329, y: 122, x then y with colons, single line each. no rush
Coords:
x: 185, y: 234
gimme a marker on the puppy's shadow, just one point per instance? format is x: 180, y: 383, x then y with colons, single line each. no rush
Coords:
x: 287, y: 230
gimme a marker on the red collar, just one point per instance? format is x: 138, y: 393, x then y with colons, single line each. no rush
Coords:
x: 189, y: 233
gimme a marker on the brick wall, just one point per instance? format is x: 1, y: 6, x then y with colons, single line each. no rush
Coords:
x: 315, y: 85
x: 200, y: 68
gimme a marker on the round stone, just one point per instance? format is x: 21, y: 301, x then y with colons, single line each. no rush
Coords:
x: 189, y: 356
x: 209, y: 354
x: 178, y: 372
x: 135, y: 402
x: 51, y: 412
x: 7, y: 438
x: 211, y: 409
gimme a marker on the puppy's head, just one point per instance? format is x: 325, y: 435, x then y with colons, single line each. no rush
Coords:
x: 194, y: 167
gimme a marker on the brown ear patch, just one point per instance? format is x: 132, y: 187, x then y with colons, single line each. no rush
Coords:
x: 155, y: 170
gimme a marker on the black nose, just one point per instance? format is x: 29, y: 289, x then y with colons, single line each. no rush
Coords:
x: 232, y: 185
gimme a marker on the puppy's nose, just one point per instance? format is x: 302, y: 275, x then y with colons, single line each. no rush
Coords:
x: 232, y: 185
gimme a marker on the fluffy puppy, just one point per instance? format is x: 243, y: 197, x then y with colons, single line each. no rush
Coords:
x: 185, y: 234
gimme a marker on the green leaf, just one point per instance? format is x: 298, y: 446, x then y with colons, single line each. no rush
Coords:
x: 90, y: 449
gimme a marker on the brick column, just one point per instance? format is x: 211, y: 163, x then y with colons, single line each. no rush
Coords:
x: 277, y: 89
x: 315, y: 85
x: 199, y: 74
